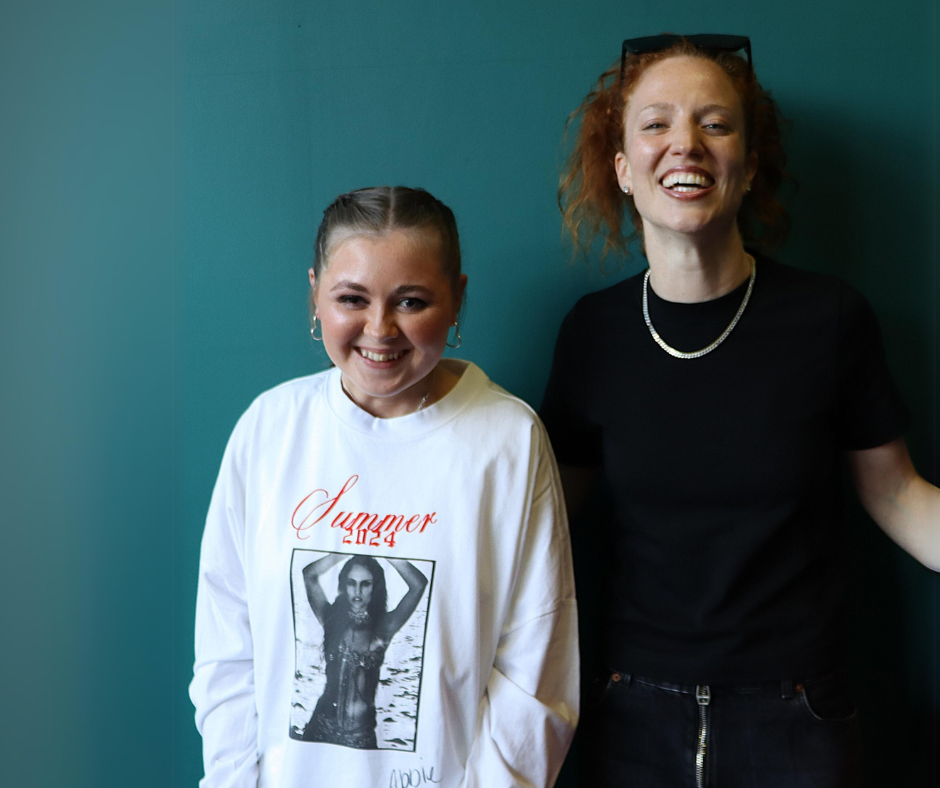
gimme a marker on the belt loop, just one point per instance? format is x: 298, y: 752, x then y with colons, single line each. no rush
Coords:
x: 786, y: 689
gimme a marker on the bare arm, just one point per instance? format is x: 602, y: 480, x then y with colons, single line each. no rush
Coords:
x: 315, y: 595
x: 905, y: 506
x: 416, y: 582
x: 578, y: 484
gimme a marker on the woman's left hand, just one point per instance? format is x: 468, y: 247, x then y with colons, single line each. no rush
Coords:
x: 905, y: 506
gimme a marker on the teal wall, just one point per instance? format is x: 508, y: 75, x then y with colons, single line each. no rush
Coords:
x: 162, y: 170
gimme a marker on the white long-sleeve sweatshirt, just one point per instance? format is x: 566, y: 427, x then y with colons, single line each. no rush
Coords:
x: 477, y: 688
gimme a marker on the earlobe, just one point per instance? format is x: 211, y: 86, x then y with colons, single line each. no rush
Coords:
x: 624, y: 176
x: 751, y: 168
x: 312, y: 298
x: 458, y: 296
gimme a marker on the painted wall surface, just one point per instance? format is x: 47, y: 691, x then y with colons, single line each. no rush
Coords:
x: 86, y: 394
x: 164, y: 167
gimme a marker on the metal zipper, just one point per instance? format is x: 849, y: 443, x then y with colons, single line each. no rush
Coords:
x: 704, y: 696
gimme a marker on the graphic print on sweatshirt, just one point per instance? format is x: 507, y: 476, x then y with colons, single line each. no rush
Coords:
x: 359, y: 631
x: 321, y: 508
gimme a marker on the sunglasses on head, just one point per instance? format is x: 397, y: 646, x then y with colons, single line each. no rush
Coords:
x: 709, y: 42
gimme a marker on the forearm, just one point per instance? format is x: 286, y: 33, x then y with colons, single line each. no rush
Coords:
x: 322, y: 565
x: 911, y: 517
x: 904, y: 505
x: 414, y: 578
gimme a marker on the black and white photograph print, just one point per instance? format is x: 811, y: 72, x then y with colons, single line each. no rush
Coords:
x: 359, y: 631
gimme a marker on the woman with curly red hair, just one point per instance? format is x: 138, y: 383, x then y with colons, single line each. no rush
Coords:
x: 716, y: 394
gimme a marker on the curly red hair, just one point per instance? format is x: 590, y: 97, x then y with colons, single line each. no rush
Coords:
x: 589, y: 196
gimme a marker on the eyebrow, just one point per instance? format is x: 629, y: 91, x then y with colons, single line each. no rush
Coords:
x: 704, y: 110
x: 713, y: 107
x: 411, y: 289
x: 658, y: 105
x: 348, y: 284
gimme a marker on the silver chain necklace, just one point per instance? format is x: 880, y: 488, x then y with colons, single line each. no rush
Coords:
x: 424, y: 400
x: 696, y: 353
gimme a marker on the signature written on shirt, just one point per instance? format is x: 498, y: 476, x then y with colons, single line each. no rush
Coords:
x: 362, y: 528
x: 412, y: 778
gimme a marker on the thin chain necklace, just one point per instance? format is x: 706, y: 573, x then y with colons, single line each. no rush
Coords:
x: 424, y: 400
x: 427, y: 396
x: 696, y: 353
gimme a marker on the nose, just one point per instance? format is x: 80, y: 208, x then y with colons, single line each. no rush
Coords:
x: 686, y: 139
x: 381, y: 324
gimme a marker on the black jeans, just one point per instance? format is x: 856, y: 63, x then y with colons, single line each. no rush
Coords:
x: 640, y: 733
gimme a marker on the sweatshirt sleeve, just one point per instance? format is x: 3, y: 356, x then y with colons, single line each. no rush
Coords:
x: 222, y: 688
x: 529, y: 710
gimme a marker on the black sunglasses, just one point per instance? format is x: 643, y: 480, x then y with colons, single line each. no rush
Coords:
x: 708, y: 42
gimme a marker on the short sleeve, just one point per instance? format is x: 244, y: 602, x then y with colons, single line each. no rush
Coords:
x: 576, y: 439
x: 870, y: 411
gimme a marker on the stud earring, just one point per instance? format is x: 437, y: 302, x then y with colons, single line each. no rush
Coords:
x: 626, y: 190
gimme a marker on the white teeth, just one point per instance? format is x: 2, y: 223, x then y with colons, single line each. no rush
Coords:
x: 686, y: 181
x: 380, y: 356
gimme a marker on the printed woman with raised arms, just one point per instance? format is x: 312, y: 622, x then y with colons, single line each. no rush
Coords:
x: 356, y: 631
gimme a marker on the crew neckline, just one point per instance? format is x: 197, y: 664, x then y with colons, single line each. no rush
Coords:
x: 738, y: 291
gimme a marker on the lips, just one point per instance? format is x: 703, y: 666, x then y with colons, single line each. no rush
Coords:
x: 687, y: 180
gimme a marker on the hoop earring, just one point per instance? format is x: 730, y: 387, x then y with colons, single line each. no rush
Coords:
x: 313, y: 329
x: 456, y: 336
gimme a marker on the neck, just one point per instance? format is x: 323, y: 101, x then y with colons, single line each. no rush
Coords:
x: 689, y: 269
x: 436, y: 385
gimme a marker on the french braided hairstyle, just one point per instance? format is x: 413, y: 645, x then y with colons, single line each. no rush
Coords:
x: 380, y: 209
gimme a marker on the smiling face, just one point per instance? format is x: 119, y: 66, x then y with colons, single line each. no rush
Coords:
x: 684, y: 157
x: 386, y: 306
x: 359, y: 589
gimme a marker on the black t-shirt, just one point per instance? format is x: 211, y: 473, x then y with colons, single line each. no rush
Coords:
x: 724, y: 469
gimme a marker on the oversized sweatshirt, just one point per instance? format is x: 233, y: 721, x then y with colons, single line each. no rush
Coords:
x: 478, y: 687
